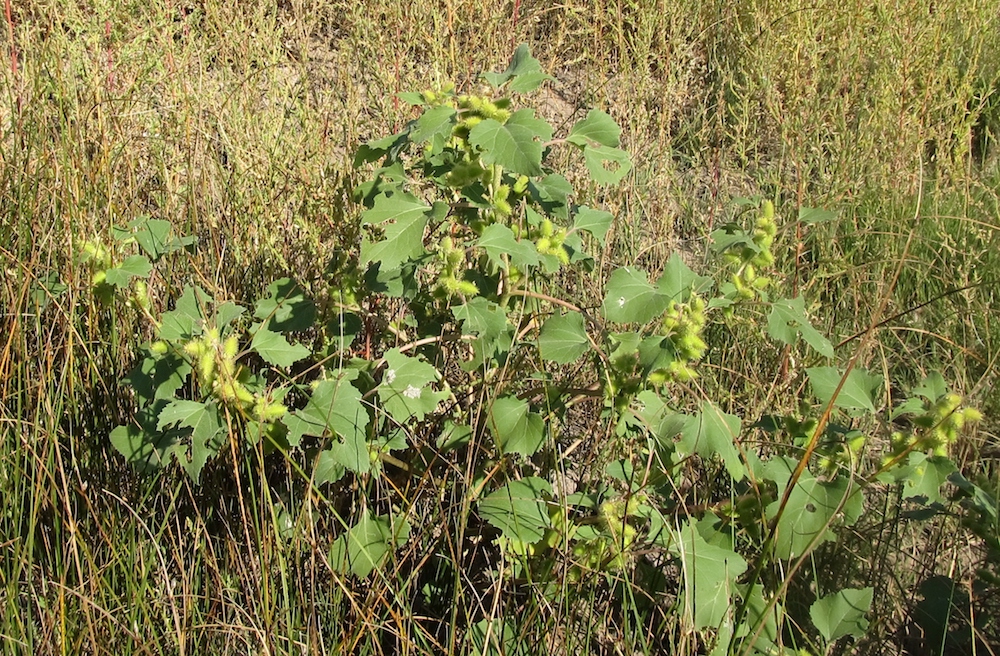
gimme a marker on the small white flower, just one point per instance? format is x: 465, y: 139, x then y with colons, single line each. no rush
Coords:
x: 621, y: 301
x: 390, y: 376
x: 411, y: 392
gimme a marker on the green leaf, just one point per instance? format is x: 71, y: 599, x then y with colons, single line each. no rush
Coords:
x: 813, y: 507
x: 524, y: 70
x: 407, y: 387
x: 597, y: 128
x: 678, y: 280
x: 812, y: 215
x: 713, y: 432
x: 732, y: 237
x: 842, y: 613
x: 515, y: 145
x: 788, y: 320
x: 856, y: 394
x: 434, y: 125
x: 498, y: 240
x: 328, y: 468
x: 932, y: 388
x: 563, y: 338
x: 402, y: 219
x: 187, y: 318
x: 286, y: 307
x: 207, y: 431
x: 596, y: 222
x: 606, y: 165
x: 334, y: 407
x: 367, y: 545
x: 515, y: 428
x: 145, y: 448
x: 152, y: 236
x: 275, y: 349
x: 157, y: 377
x: 46, y: 288
x: 487, y: 320
x: 137, y: 266
x: 631, y: 298
x: 921, y: 476
x: 518, y: 509
x: 552, y: 194
x: 710, y: 573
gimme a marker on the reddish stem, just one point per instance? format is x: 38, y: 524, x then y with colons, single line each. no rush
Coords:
x: 10, y: 31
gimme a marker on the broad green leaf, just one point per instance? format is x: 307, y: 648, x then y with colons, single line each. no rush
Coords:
x: 45, y: 288
x: 487, y: 320
x: 921, y: 476
x: 732, y: 237
x: 499, y: 240
x: 145, y: 448
x: 679, y: 281
x: 856, y: 394
x: 515, y: 145
x: 770, y: 635
x: 842, y: 613
x: 518, y: 509
x: 407, y: 387
x: 207, y: 432
x: 434, y: 125
x: 328, y: 469
x: 596, y: 222
x: 367, y: 545
x: 157, y: 377
x: 932, y: 388
x: 598, y: 128
x: 391, y: 145
x: 552, y: 194
x: 515, y: 428
x: 814, y: 507
x: 788, y: 320
x: 607, y: 165
x: 713, y: 432
x: 226, y: 313
x: 187, y: 319
x: 496, y: 637
x: 402, y: 219
x: 286, y: 307
x: 152, y: 236
x: 334, y: 407
x: 811, y: 215
x: 710, y: 574
x: 524, y: 70
x: 275, y: 349
x: 137, y: 266
x: 563, y: 338
x: 631, y: 298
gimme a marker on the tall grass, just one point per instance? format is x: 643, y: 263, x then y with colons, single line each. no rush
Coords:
x: 236, y: 121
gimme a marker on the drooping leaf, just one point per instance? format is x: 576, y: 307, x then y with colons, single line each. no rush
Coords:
x: 713, y: 432
x: 596, y: 222
x: 607, y: 165
x: 597, y: 128
x: 856, y: 394
x: 814, y: 506
x: 334, y: 407
x: 812, y: 215
x: 842, y: 613
x: 524, y: 70
x: 678, y: 281
x: 710, y: 574
x: 402, y: 219
x: 563, y: 338
x: 518, y: 509
x: 498, y: 240
x: 286, y: 308
x: 434, y: 125
x: 515, y: 428
x: 407, y: 387
x: 366, y: 546
x: 631, y: 298
x: 921, y: 476
x: 788, y: 320
x: 207, y: 431
x: 275, y: 349
x: 187, y: 319
x: 137, y: 266
x: 515, y: 145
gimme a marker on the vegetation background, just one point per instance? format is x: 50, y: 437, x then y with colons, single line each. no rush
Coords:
x: 237, y: 122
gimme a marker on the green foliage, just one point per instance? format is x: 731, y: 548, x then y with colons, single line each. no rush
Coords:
x: 463, y: 232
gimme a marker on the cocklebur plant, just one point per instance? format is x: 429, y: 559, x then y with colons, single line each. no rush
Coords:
x: 448, y: 328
